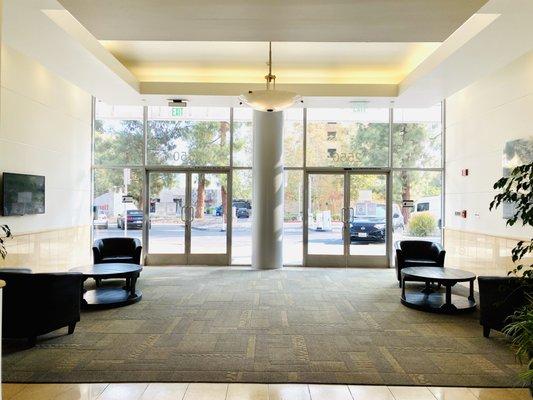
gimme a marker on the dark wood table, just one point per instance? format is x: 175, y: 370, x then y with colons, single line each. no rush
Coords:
x: 434, y: 300
x: 110, y: 296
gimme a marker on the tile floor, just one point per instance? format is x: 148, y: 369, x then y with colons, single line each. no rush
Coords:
x: 238, y: 391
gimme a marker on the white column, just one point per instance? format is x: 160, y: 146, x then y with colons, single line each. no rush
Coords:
x: 267, y: 196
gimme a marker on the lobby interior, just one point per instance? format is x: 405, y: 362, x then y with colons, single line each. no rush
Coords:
x: 270, y: 224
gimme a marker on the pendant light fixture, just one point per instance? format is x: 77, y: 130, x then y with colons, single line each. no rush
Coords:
x: 271, y: 99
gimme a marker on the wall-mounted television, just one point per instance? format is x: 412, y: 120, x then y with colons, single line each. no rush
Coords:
x: 22, y: 194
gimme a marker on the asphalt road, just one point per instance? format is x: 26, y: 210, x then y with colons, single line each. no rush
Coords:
x: 168, y: 238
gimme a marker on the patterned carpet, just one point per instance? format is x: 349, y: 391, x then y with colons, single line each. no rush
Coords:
x: 291, y: 325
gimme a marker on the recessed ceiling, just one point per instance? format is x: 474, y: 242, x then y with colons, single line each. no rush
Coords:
x: 245, y: 62
x: 275, y: 20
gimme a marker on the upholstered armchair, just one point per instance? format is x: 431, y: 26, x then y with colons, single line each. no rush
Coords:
x: 117, y: 250
x: 417, y: 253
x: 35, y: 304
x: 499, y: 297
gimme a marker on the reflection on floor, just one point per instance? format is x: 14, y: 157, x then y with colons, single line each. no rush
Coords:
x: 220, y: 391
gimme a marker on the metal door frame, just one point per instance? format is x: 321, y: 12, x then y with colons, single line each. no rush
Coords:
x: 187, y: 257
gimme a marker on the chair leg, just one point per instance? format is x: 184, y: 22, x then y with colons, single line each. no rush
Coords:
x: 399, y: 284
x: 71, y: 328
x: 486, y: 331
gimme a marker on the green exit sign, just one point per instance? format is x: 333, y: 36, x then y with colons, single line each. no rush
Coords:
x: 177, y: 111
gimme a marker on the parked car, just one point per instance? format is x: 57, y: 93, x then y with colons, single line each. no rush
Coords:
x: 100, y: 221
x: 134, y: 220
x: 431, y: 205
x: 242, y: 213
x: 239, y: 205
x: 371, y: 226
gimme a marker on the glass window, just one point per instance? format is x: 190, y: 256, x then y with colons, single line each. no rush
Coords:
x: 193, y: 136
x: 241, y: 251
x: 293, y: 218
x: 417, y: 137
x: 424, y: 219
x: 293, y: 137
x: 242, y: 137
x: 118, y: 135
x: 347, y: 138
x: 114, y: 216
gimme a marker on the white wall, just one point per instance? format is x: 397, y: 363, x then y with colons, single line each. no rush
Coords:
x: 45, y: 129
x: 480, y: 119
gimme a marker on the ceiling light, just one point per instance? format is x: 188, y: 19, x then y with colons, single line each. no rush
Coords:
x: 270, y: 99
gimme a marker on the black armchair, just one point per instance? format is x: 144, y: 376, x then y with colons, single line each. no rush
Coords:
x: 499, y: 297
x: 117, y: 250
x: 417, y: 253
x: 35, y: 304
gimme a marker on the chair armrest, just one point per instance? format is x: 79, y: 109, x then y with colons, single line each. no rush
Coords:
x: 60, y: 292
x: 137, y: 254
x: 499, y: 297
x: 400, y: 260
x: 97, y: 255
x: 441, y: 257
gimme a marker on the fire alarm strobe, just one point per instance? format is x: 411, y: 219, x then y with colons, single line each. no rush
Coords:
x: 464, y: 172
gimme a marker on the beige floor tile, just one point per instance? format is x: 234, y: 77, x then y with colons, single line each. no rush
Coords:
x: 11, y: 389
x: 123, y: 391
x: 243, y: 391
x: 288, y: 392
x: 206, y: 391
x: 522, y: 394
x: 450, y: 393
x: 84, y: 391
x: 411, y: 393
x: 498, y: 394
x: 97, y: 389
x: 330, y: 392
x: 43, y: 391
x: 370, y: 392
x: 165, y: 391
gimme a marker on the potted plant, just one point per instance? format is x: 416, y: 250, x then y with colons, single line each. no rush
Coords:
x: 517, y: 189
x: 5, y: 232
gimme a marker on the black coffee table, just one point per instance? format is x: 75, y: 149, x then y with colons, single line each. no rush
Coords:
x: 110, y: 296
x: 434, y: 300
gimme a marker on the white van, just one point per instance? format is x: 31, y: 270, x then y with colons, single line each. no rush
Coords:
x: 431, y: 204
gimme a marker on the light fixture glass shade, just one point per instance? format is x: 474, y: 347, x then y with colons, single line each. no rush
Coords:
x: 270, y: 100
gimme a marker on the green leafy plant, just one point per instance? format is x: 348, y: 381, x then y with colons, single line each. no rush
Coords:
x: 517, y: 190
x: 422, y: 224
x: 520, y: 329
x: 5, y: 232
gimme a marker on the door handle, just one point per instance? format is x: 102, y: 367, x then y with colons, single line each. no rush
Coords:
x: 343, y: 213
x: 192, y: 213
x: 181, y: 214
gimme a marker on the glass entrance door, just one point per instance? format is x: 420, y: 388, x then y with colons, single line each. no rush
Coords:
x: 347, y: 214
x: 367, y: 223
x: 187, y: 213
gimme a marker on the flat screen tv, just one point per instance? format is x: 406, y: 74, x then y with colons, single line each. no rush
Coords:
x: 22, y: 194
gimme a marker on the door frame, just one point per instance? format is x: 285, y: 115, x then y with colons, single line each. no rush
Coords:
x: 187, y: 257
x: 346, y: 260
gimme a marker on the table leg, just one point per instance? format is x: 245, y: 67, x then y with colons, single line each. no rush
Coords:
x: 403, y: 288
x: 427, y: 289
x: 471, y: 297
x: 448, y: 296
x: 133, y: 281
